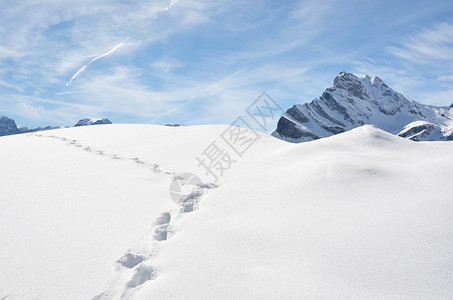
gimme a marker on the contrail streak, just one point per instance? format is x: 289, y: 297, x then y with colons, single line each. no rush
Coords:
x: 94, y: 59
x: 170, y: 5
x: 235, y: 73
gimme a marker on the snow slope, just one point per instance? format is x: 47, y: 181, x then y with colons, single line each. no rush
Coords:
x: 363, y: 214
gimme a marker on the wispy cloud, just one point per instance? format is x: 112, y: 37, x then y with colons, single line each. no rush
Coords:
x: 82, y: 69
x: 427, y: 46
x: 419, y: 65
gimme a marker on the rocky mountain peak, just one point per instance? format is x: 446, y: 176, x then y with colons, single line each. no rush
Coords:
x: 360, y: 87
x: 7, y: 126
x: 355, y: 101
x: 344, y: 78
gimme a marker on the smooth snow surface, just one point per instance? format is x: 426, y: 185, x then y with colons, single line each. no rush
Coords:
x: 86, y: 213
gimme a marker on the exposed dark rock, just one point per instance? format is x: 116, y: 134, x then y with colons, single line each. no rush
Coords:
x: 297, y: 115
x: 348, y: 82
x: 8, y: 126
x: 421, y: 132
x: 292, y: 130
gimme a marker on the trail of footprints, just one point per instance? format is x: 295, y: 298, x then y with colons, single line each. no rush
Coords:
x: 74, y: 143
x: 134, y: 267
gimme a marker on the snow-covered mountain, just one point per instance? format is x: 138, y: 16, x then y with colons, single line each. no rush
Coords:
x: 8, y: 126
x: 352, y: 102
x: 86, y: 213
x: 91, y: 121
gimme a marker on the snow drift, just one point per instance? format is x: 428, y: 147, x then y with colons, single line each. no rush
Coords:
x: 86, y: 213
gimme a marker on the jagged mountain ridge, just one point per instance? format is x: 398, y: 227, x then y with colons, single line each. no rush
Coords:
x: 88, y: 121
x: 352, y: 102
x: 8, y: 126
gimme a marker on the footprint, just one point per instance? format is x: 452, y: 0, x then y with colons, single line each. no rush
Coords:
x: 187, y: 208
x: 208, y: 185
x: 189, y: 202
x: 141, y: 275
x: 138, y: 161
x: 164, y: 218
x: 155, y: 168
x: 130, y: 260
x: 161, y: 233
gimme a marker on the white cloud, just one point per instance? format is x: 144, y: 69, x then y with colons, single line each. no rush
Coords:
x: 428, y: 46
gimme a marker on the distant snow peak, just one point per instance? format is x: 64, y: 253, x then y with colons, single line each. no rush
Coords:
x: 175, y: 124
x: 88, y: 121
x: 352, y: 102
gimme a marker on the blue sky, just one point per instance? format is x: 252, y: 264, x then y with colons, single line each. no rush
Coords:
x: 200, y: 61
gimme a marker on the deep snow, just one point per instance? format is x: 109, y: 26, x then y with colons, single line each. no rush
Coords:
x: 363, y: 214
